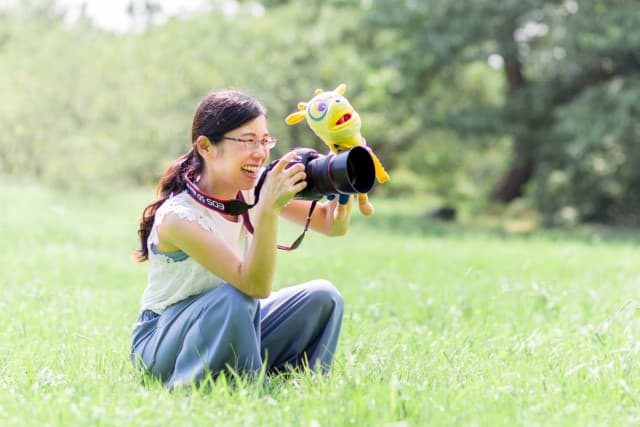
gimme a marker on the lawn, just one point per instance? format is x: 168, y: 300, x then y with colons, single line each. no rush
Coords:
x: 444, y: 325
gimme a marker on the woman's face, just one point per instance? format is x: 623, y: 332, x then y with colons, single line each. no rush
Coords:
x: 238, y: 163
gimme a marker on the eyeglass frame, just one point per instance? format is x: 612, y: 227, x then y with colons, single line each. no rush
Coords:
x: 253, y: 144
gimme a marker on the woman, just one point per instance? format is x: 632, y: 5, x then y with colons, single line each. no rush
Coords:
x: 208, y: 305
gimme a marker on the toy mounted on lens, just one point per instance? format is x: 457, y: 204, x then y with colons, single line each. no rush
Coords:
x: 351, y: 167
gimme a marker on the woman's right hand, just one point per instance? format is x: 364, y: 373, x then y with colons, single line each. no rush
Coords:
x: 282, y: 183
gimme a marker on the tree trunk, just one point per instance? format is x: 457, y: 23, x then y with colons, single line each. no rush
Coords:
x: 511, y: 184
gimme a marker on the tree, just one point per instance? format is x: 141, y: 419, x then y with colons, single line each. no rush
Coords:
x: 552, y: 52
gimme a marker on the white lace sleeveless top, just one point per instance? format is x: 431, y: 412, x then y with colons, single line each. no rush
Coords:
x: 175, y: 276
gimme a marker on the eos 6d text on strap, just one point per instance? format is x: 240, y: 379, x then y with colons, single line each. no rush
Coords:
x: 240, y: 207
x: 231, y: 207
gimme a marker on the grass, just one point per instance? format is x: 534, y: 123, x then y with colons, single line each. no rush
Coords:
x: 444, y: 324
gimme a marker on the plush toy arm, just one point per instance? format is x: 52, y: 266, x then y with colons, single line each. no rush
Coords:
x: 298, y: 116
x: 381, y: 174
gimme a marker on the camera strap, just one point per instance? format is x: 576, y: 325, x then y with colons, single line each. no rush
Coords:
x: 236, y: 206
x: 240, y: 207
x: 231, y: 207
x: 249, y: 226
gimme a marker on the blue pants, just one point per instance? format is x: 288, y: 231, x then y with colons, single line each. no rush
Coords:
x: 224, y: 328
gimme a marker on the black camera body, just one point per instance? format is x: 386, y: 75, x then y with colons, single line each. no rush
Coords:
x: 347, y: 172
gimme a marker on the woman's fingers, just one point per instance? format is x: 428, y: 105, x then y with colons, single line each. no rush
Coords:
x: 299, y: 186
x: 294, y: 172
x: 284, y: 161
x: 285, y: 180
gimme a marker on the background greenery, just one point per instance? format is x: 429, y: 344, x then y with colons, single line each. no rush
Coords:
x: 472, y: 102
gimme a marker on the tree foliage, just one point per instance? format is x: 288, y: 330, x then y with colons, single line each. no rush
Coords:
x: 560, y: 60
x: 444, y: 89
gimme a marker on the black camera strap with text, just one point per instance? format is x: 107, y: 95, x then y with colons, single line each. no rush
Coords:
x: 239, y: 206
x: 229, y: 207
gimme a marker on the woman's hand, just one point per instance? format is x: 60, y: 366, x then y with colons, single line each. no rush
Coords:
x: 282, y: 183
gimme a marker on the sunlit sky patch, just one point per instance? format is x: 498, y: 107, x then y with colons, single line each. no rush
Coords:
x: 114, y: 15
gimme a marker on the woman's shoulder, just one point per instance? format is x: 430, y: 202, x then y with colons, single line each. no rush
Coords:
x: 184, y: 207
x: 177, y: 202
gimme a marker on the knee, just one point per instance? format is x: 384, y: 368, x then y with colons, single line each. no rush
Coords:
x: 323, y: 293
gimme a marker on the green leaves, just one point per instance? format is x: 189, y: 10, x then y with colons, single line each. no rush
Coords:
x: 83, y: 107
x: 597, y: 154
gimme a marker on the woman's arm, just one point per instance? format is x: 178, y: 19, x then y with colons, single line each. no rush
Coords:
x: 254, y: 274
x: 323, y: 220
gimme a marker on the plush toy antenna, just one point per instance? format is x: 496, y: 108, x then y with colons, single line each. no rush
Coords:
x: 341, y: 89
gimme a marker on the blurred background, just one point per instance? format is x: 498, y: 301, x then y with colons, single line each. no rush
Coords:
x: 475, y: 106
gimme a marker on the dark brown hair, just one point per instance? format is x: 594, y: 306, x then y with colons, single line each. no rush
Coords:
x: 218, y: 113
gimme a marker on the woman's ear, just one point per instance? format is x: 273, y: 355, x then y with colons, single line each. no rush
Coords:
x: 203, y: 145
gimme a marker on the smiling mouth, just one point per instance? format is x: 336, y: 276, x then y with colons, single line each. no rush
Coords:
x: 251, y: 169
x: 344, y: 119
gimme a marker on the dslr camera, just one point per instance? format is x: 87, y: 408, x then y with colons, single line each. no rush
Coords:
x: 347, y: 172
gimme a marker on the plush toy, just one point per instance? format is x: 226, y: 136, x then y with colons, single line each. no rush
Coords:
x: 332, y: 118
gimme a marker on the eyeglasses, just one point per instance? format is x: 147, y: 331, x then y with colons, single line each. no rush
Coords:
x: 253, y: 144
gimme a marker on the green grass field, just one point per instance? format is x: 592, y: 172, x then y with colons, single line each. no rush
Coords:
x: 444, y: 325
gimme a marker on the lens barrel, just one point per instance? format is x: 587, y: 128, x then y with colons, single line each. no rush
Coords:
x: 348, y: 172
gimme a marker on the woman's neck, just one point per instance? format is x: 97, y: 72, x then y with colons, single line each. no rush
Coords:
x: 211, y: 190
x: 215, y: 188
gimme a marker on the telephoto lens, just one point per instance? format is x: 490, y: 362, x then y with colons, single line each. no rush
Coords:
x: 348, y: 172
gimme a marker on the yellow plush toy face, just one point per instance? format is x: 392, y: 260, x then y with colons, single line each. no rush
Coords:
x: 330, y: 115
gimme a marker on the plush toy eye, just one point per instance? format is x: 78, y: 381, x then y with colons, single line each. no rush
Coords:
x: 318, y: 110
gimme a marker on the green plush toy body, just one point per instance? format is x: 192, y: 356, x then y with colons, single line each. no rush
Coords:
x: 332, y: 118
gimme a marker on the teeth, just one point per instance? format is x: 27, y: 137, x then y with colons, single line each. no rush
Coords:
x: 251, y: 169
